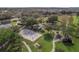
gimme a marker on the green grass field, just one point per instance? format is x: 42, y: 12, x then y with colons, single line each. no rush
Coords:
x: 61, y: 47
x: 75, y: 20
x: 46, y: 43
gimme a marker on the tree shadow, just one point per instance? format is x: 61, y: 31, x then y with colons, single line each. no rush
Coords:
x: 59, y: 50
x: 48, y: 37
x: 67, y: 43
x: 67, y: 40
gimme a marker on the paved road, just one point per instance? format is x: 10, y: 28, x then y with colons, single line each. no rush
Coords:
x: 5, y: 25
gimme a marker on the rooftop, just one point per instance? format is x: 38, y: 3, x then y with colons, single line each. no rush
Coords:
x: 29, y: 34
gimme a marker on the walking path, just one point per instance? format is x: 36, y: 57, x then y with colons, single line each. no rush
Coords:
x: 55, y: 40
x: 53, y: 48
x: 27, y: 46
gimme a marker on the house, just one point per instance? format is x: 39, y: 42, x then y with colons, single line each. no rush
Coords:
x: 38, y: 26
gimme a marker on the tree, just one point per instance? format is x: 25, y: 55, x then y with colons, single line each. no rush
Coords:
x: 77, y: 13
x: 28, y: 21
x: 9, y: 41
x: 48, y: 27
x: 5, y: 15
x: 63, y: 12
x: 53, y: 19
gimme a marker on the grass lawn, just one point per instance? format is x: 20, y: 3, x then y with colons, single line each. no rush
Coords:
x: 75, y: 19
x: 31, y: 45
x: 24, y: 49
x: 46, y: 43
x: 75, y: 48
